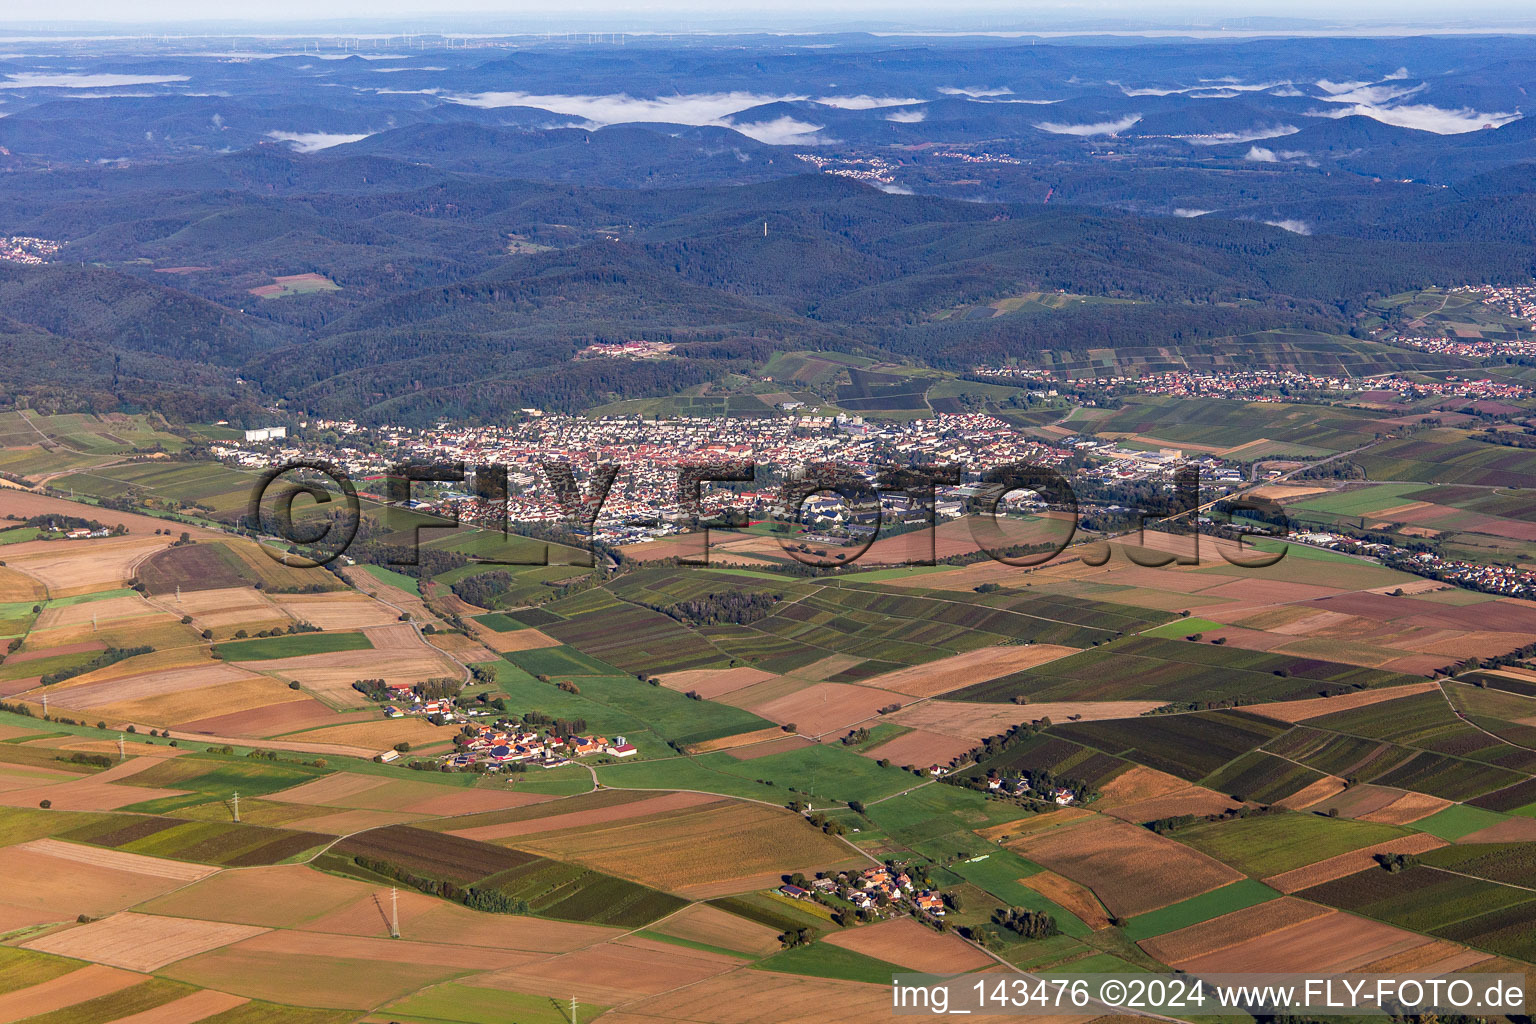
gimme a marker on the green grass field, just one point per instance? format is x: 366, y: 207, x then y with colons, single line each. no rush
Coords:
x: 293, y: 646
x: 390, y: 577
x: 1228, y: 898
x: 1264, y: 845
x: 500, y: 623
x: 453, y: 1003
x: 821, y: 960
x: 1178, y: 629
x: 688, y: 773
x: 21, y: 968
x: 998, y: 872
x: 1459, y: 820
x: 560, y: 661
x: 1360, y: 501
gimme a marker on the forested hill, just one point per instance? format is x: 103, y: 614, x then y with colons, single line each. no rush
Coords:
x: 501, y: 282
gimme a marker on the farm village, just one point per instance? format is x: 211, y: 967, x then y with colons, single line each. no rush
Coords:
x: 476, y: 786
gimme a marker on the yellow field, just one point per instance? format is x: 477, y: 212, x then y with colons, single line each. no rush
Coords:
x: 73, y: 567
x: 181, y: 657
x: 330, y: 676
x: 379, y: 735
x: 159, y: 631
x: 191, y: 705
x: 227, y: 609
x: 106, y: 611
x: 340, y: 610
x: 720, y: 847
x: 274, y: 574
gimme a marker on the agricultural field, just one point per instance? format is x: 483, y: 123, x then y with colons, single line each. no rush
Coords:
x: 1132, y: 870
x: 1188, y: 746
x: 516, y: 889
x: 295, y: 646
x: 1484, y: 914
x: 545, y: 887
x: 1145, y: 667
x: 295, y: 284
x: 1450, y: 456
x: 1270, y: 844
x: 1219, y: 425
x: 715, y: 849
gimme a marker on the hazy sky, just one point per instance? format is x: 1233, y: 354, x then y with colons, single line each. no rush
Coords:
x: 793, y: 14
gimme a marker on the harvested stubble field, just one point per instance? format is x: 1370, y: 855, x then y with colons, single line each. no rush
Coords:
x: 286, y: 896
x: 408, y: 795
x: 967, y: 669
x: 1350, y: 863
x: 763, y: 997
x: 306, y: 979
x: 330, y: 676
x: 1432, y: 958
x: 378, y: 735
x: 337, y: 610
x: 60, y: 880
x: 83, y: 696
x: 262, y: 722
x: 769, y: 747
x: 905, y: 942
x: 253, y: 694
x: 823, y: 708
x: 583, y: 813
x: 1234, y: 929
x: 710, y: 683
x: 70, y: 568
x: 1132, y: 870
x: 705, y: 924
x: 107, y: 609
x: 721, y: 847
x: 141, y: 942
x: 430, y: 919
x: 1064, y: 892
x: 228, y: 609
x: 611, y: 972
x: 92, y: 793
x: 1146, y: 794
x: 521, y: 640
x: 1406, y: 809
x: 920, y: 748
x: 16, y: 586
x: 384, y: 949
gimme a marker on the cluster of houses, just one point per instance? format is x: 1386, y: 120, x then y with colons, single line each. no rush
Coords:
x: 626, y: 350
x: 1472, y: 348
x: 424, y: 708
x: 865, y: 890
x: 644, y: 499
x: 1516, y: 300
x: 1017, y: 785
x: 1509, y: 580
x: 501, y: 744
x: 28, y: 250
x: 85, y: 533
